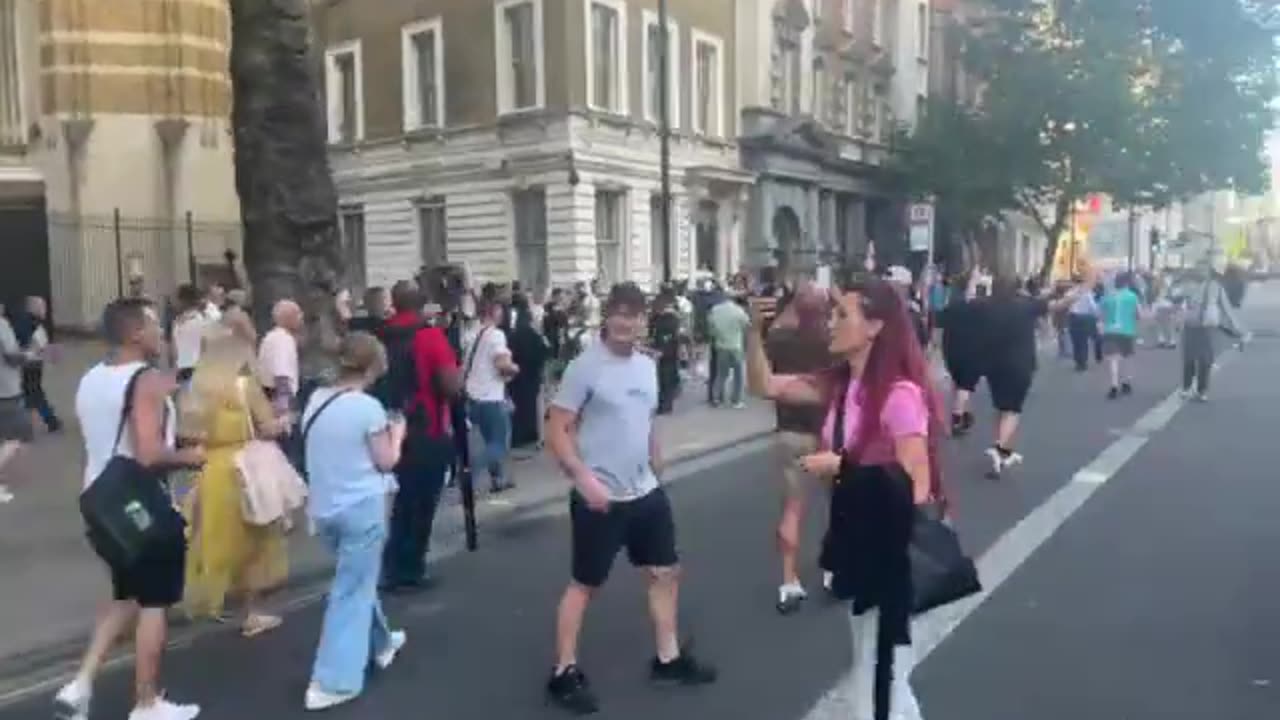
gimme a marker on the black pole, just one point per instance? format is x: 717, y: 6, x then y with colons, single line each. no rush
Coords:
x: 664, y: 133
x: 191, y: 250
x: 115, y: 224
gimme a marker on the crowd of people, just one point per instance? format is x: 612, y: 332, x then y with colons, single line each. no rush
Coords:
x: 380, y: 432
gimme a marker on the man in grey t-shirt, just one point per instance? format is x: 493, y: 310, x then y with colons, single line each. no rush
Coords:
x: 600, y: 429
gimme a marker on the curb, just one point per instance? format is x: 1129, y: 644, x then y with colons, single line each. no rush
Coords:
x: 32, y: 671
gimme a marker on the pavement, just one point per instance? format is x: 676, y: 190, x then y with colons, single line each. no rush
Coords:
x: 1122, y: 562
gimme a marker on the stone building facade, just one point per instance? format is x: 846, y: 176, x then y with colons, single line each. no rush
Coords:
x: 520, y: 138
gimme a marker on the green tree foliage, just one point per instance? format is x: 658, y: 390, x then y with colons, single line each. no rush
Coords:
x: 1147, y: 101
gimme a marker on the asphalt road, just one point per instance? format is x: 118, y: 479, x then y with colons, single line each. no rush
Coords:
x: 1148, y: 605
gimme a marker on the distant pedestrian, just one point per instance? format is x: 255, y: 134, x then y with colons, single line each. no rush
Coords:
x: 193, y: 318
x: 664, y: 338
x: 963, y: 349
x: 728, y: 324
x: 124, y: 408
x: 1082, y: 324
x: 32, y: 331
x: 1208, y: 311
x: 352, y: 445
x: 529, y: 352
x: 600, y: 429
x: 278, y: 369
x: 15, y: 426
x: 1120, y: 313
x: 487, y: 368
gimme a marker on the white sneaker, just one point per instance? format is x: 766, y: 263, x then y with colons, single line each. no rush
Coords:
x: 828, y: 580
x: 1186, y: 394
x: 388, y: 655
x: 739, y: 406
x: 318, y: 699
x: 5, y: 495
x: 162, y: 709
x: 72, y: 701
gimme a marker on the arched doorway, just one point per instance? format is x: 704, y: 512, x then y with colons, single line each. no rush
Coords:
x: 786, y: 238
x: 708, y: 237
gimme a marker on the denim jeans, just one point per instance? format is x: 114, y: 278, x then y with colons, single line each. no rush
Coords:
x: 728, y: 362
x: 354, y: 629
x: 494, y: 424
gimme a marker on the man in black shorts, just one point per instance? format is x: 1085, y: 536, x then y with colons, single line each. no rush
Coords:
x: 600, y: 429
x: 1011, y: 318
x: 122, y: 415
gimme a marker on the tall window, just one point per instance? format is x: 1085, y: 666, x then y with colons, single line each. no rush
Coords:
x: 345, y: 89
x: 853, y: 94
x: 652, y: 70
x: 819, y: 90
x: 657, y: 257
x: 422, y: 46
x: 518, y: 30
x: 433, y: 238
x: 529, y: 213
x: 786, y: 73
x: 351, y: 221
x: 610, y: 233
x: 708, y: 85
x: 877, y: 22
x: 847, y: 15
x: 13, y: 125
x: 607, y: 58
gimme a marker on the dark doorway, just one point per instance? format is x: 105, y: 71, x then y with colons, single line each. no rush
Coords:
x: 24, y: 245
x: 786, y: 238
x: 709, y: 237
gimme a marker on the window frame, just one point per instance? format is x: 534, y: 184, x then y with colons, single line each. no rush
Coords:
x: 505, y: 87
x: 620, y: 69
x: 432, y: 203
x: 673, y: 49
x: 853, y: 104
x: 699, y: 37
x: 619, y: 196
x: 817, y: 97
x: 359, y: 280
x: 332, y: 86
x: 411, y: 101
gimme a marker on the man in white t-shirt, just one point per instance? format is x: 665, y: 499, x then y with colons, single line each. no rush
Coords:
x: 188, y: 331
x: 487, y: 366
x: 278, y: 354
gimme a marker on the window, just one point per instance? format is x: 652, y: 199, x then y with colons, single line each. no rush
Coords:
x: 351, y: 225
x: 422, y: 68
x: 433, y: 234
x: 922, y: 31
x: 518, y: 34
x: 13, y: 123
x: 529, y: 213
x: 787, y: 73
x: 877, y: 22
x: 607, y: 56
x: 610, y: 233
x: 344, y: 88
x: 652, y: 70
x: 852, y: 105
x: 819, y: 90
x: 848, y: 15
x: 708, y: 84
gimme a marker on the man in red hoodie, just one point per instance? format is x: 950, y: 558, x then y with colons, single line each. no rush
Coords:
x: 421, y: 382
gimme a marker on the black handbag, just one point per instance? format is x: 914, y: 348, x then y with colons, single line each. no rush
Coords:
x: 941, y: 572
x: 127, y: 509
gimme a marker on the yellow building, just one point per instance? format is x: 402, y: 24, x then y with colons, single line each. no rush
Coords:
x: 115, y: 150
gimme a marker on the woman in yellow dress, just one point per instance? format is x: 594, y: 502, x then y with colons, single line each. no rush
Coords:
x: 227, y: 556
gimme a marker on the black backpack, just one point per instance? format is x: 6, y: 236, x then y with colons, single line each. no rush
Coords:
x: 398, y: 387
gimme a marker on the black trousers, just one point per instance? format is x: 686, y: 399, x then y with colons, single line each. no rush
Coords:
x: 1084, y: 330
x: 1197, y: 357
x: 35, y: 398
x: 421, y: 475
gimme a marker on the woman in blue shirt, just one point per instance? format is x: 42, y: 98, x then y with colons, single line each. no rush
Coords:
x: 351, y: 448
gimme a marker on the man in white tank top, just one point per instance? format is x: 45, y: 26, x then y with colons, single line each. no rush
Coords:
x: 153, y: 583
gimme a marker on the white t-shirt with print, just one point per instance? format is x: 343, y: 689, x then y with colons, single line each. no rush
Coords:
x: 485, y: 383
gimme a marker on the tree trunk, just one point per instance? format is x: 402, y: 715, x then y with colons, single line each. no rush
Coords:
x: 1053, y: 233
x: 288, y: 203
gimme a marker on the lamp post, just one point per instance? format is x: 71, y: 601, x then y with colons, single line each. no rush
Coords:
x: 664, y: 132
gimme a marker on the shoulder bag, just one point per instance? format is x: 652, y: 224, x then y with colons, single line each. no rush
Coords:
x: 306, y: 429
x: 127, y: 508
x: 270, y: 488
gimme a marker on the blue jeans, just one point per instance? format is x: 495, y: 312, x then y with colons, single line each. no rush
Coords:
x: 355, y: 629
x: 728, y: 362
x: 494, y: 424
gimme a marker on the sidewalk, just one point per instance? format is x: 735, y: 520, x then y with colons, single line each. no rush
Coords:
x: 52, y: 583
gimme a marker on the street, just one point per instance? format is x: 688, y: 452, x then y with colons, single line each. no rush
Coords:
x: 1144, y: 604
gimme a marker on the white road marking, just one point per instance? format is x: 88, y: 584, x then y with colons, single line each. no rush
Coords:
x: 1017, y: 545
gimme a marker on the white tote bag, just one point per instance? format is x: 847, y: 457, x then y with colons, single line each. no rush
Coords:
x: 270, y: 488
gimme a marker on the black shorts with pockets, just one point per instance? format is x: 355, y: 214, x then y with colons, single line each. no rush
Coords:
x: 644, y: 526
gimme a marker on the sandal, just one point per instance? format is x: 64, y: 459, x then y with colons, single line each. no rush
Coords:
x: 256, y: 625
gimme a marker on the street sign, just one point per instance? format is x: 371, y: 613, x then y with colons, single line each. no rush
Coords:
x: 920, y: 219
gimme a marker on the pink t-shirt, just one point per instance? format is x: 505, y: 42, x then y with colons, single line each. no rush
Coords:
x: 905, y: 414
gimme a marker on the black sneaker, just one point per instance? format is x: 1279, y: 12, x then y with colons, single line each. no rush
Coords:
x: 684, y: 670
x: 968, y: 421
x: 957, y: 425
x: 1126, y: 388
x: 570, y: 691
x: 1113, y: 393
